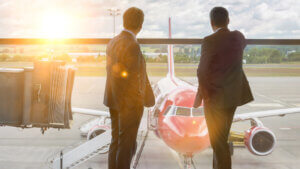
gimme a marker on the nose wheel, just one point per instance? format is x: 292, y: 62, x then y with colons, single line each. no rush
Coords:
x: 188, y: 162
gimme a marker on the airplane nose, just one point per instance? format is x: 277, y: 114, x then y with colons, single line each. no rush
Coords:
x: 191, y: 126
x: 186, y: 134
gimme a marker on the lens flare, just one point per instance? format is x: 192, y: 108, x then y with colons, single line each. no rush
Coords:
x: 124, y: 74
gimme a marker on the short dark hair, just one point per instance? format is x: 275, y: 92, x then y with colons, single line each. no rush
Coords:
x: 133, y: 18
x: 219, y: 16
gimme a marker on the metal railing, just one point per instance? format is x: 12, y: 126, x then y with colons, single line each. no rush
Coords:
x: 95, y: 41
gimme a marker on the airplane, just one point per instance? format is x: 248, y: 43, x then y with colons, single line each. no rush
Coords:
x: 182, y: 127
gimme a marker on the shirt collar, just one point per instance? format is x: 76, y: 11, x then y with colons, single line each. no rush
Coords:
x: 218, y: 29
x: 126, y: 30
x: 223, y: 28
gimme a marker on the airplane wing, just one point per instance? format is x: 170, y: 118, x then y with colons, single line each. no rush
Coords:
x: 267, y: 113
x: 90, y: 112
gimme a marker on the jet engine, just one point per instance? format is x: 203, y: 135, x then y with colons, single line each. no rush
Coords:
x: 89, y: 128
x: 259, y: 140
x: 95, y: 131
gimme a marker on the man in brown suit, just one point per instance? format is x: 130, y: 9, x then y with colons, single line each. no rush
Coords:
x: 127, y: 89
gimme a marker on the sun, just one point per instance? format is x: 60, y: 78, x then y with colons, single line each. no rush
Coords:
x: 55, y: 24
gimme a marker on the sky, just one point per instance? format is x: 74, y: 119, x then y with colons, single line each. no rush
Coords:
x: 190, y: 18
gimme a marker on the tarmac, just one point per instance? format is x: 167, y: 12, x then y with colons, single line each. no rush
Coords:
x: 29, y: 149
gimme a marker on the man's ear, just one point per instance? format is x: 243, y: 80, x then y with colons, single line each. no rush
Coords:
x: 228, y: 20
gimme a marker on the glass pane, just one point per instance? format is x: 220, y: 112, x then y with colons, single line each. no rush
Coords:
x: 167, y: 111
x: 183, y: 111
x: 197, y: 112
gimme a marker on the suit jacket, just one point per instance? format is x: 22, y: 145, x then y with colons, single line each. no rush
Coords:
x: 126, y: 78
x: 221, y: 78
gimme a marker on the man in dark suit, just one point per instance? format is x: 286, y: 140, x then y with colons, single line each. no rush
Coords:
x: 127, y: 89
x: 222, y: 83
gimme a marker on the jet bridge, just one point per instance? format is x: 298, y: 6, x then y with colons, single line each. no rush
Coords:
x: 38, y: 96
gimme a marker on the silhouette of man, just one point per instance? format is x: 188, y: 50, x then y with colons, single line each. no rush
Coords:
x: 127, y: 89
x: 222, y: 83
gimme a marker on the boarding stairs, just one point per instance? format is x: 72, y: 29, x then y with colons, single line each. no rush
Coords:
x: 84, y: 152
x: 93, y: 147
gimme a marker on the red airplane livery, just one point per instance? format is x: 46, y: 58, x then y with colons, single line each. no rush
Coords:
x: 182, y: 127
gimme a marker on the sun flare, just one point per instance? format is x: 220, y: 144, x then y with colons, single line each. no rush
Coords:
x: 55, y: 25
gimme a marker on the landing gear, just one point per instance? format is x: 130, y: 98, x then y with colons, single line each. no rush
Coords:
x: 43, y: 129
x: 231, y: 148
x: 188, y: 162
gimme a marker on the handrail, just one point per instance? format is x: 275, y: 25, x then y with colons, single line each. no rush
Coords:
x: 94, y: 41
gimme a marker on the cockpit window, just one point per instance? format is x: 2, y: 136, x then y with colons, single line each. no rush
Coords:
x: 197, y: 112
x: 169, y: 111
x: 183, y: 111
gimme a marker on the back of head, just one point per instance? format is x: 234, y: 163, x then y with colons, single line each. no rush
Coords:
x: 219, y: 17
x: 133, y: 18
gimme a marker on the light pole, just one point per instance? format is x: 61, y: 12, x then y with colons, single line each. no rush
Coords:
x: 114, y: 12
